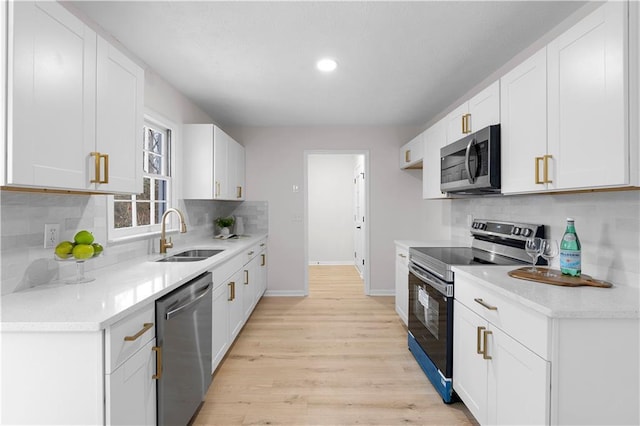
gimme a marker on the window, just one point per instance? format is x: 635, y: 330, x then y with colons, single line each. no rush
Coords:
x: 133, y: 215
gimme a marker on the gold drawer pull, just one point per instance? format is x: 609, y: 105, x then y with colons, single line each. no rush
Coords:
x: 402, y: 256
x: 246, y: 277
x: 158, y: 351
x: 478, y: 345
x: 264, y: 260
x: 485, y: 304
x: 146, y: 326
x: 546, y: 169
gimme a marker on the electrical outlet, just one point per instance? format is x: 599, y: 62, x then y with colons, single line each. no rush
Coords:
x: 51, y: 234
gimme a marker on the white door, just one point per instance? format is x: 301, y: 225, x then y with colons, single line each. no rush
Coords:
x: 359, y: 218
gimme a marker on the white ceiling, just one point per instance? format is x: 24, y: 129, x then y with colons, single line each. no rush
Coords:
x: 253, y: 63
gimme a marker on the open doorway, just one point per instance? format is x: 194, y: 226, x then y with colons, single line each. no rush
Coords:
x: 336, y: 211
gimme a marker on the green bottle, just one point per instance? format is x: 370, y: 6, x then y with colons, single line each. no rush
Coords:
x: 570, y: 258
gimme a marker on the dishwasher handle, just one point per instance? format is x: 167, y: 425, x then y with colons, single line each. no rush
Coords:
x: 179, y: 309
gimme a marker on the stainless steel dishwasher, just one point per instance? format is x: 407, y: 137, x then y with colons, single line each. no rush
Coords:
x: 183, y: 334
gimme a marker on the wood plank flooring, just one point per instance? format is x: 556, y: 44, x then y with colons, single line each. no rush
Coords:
x: 336, y: 357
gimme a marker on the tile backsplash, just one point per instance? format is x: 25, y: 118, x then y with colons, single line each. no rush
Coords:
x: 608, y: 225
x: 25, y: 263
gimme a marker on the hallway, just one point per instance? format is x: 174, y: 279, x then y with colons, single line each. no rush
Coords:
x: 336, y: 357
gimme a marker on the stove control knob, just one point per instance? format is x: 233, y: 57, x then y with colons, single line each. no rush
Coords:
x: 483, y: 226
x: 526, y: 232
x: 516, y: 231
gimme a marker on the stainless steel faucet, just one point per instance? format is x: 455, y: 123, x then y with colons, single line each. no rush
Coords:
x: 164, y: 244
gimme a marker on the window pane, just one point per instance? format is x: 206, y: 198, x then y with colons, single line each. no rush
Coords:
x: 146, y: 188
x: 122, y: 214
x: 155, y: 142
x: 154, y: 164
x: 160, y: 189
x: 143, y: 214
x: 160, y: 209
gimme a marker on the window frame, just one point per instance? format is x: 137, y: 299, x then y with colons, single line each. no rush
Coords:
x: 115, y: 235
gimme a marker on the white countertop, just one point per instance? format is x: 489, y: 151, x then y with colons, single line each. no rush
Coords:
x: 117, y: 290
x: 556, y: 301
x: 407, y: 244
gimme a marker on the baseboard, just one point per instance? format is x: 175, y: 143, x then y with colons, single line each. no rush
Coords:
x: 382, y: 293
x: 331, y: 263
x: 284, y: 293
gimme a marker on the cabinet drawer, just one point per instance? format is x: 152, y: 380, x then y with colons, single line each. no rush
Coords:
x: 222, y: 272
x: 128, y: 335
x: 521, y: 323
x: 402, y: 255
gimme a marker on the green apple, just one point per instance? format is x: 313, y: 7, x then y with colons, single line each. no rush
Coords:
x: 83, y: 237
x: 97, y: 249
x: 64, y: 249
x: 82, y: 251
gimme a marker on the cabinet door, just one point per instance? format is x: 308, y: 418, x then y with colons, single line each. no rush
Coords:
x: 519, y: 383
x: 119, y: 125
x: 220, y: 338
x: 469, y: 367
x: 198, y: 141
x: 434, y: 138
x: 402, y: 284
x: 263, y: 274
x: 131, y: 390
x: 411, y: 153
x: 51, y: 115
x: 220, y: 168
x: 249, y: 284
x: 456, y: 128
x: 484, y: 108
x: 523, y: 129
x: 587, y: 101
x: 236, y: 311
x: 235, y: 169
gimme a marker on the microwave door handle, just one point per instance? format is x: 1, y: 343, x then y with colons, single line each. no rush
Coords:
x: 467, y: 161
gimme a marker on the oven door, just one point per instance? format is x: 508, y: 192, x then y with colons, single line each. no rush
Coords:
x: 431, y: 317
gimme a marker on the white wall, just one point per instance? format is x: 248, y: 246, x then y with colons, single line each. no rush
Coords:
x: 275, y: 162
x: 330, y: 208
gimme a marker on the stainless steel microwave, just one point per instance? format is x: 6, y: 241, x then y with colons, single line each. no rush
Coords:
x: 471, y: 165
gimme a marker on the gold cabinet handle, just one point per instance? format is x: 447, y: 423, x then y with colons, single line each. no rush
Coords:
x: 146, y: 326
x: 537, y: 174
x: 407, y: 156
x: 402, y: 255
x: 217, y: 191
x: 264, y: 260
x: 238, y: 192
x: 485, y: 304
x: 250, y: 253
x: 478, y: 345
x: 261, y: 244
x: 230, y: 285
x: 485, y: 333
x: 463, y: 123
x: 246, y: 277
x: 158, y: 351
x: 545, y: 176
x: 98, y: 156
x: 466, y: 124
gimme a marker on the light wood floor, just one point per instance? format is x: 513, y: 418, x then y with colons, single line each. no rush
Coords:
x: 336, y: 357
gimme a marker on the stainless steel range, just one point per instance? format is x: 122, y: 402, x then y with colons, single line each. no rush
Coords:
x: 432, y: 288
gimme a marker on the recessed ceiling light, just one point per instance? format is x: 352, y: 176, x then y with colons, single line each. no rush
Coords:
x: 326, y: 65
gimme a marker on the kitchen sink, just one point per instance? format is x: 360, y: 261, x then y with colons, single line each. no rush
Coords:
x: 191, y: 255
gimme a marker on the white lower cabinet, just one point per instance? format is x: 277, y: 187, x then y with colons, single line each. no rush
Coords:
x: 131, y: 390
x: 402, y: 283
x: 238, y: 286
x: 514, y: 365
x: 499, y: 379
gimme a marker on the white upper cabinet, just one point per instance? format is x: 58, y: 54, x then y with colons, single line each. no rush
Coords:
x: 524, y: 126
x: 411, y: 153
x: 214, y: 164
x: 52, y: 97
x: 119, y: 123
x: 587, y: 102
x: 435, y: 137
x: 480, y: 111
x: 69, y: 108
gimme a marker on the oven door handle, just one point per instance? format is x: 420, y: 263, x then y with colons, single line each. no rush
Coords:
x: 467, y: 161
x: 445, y: 289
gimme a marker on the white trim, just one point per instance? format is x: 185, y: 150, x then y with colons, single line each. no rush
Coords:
x: 382, y: 293
x: 367, y: 212
x: 331, y: 263
x: 283, y: 293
